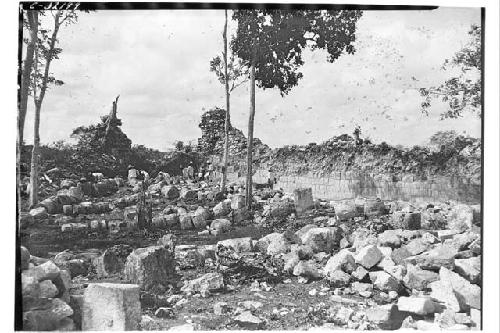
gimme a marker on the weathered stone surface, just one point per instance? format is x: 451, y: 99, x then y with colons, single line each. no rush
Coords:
x: 170, y: 192
x: 273, y: 244
x: 469, y: 293
x: 345, y: 210
x: 187, y: 194
x: 238, y: 245
x: 204, y: 284
x: 417, y: 246
x: 200, y: 217
x: 150, y: 266
x: 462, y: 241
x: 39, y: 213
x: 188, y: 257
x: 374, y: 207
x: 343, y: 260
x: 221, y: 308
x: 47, y: 319
x: 419, y: 305
x: 45, y: 271
x: 281, y: 209
x: 222, y: 209
x: 398, y: 255
x: 412, y: 221
x: 29, y: 286
x: 291, y: 260
x: 339, y: 278
x: 360, y: 273
x: 186, y: 222
x: 322, y: 239
x: 110, y: 307
x: 461, y: 217
x: 48, y: 289
x: 434, y: 259
x: 112, y: 261
x: 25, y: 258
x: 386, y: 317
x: 303, y: 199
x: 247, y: 320
x: 237, y: 201
x: 443, y: 292
x: 362, y: 237
x: 469, y: 269
x: 419, y: 279
x: 389, y: 238
x: 383, y: 281
x: 220, y: 226
x: 369, y: 256
x: 306, y: 269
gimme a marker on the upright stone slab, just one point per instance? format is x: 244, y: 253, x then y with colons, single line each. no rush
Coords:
x: 303, y: 199
x: 111, y: 307
x: 150, y: 266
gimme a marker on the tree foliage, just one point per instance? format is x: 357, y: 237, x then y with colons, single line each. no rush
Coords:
x: 212, y: 129
x: 275, y: 39
x: 462, y: 92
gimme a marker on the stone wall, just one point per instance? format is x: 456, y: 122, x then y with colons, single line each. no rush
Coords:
x: 348, y: 185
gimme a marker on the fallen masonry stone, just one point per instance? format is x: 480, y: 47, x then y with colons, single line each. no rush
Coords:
x: 291, y: 260
x: 339, y: 279
x: 418, y: 305
x: 397, y: 271
x: 443, y: 235
x: 188, y: 194
x: 186, y: 222
x: 417, y: 246
x: 48, y: 289
x: 170, y: 192
x: 461, y: 217
x: 386, y: 263
x: 469, y: 269
x: 466, y: 291
x: 374, y: 207
x: 222, y: 208
x: 150, y: 266
x: 25, y: 258
x: 343, y: 260
x: 345, y: 210
x: 238, y: 245
x: 273, y: 244
x: 419, y: 279
x: 108, y: 306
x: 250, y: 305
x: 369, y: 256
x: 306, y: 269
x: 39, y: 213
x: 386, y: 317
x: 237, y: 201
x: 29, y: 286
x: 434, y: 259
x: 383, y: 281
x: 444, y: 293
x: 166, y: 313
x: 204, y: 284
x: 462, y: 241
x: 47, y: 319
x: 322, y: 239
x: 200, y: 217
x: 168, y: 241
x: 221, y: 308
x: 398, y: 255
x: 112, y: 261
x: 389, y: 238
x: 362, y: 287
x: 303, y: 199
x: 45, y: 271
x: 247, y: 320
x: 360, y: 273
x: 221, y: 225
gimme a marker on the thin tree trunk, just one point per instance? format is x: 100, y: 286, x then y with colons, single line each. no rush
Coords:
x: 226, y: 123
x: 26, y: 73
x: 250, y: 136
x: 38, y: 106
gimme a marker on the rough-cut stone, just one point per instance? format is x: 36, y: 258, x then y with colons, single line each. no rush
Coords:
x: 303, y: 199
x: 188, y: 258
x: 345, y: 210
x: 339, y: 278
x: 434, y: 259
x: 220, y: 226
x: 45, y: 271
x: 389, y: 238
x: 374, y: 207
x: 362, y: 237
x: 419, y: 279
x: 291, y: 260
x: 417, y: 246
x: 386, y: 317
x: 469, y: 293
x: 306, y: 269
x: 48, y: 289
x: 461, y: 217
x: 112, y: 261
x: 360, y: 273
x: 39, y: 213
x: 443, y: 292
x: 322, y: 239
x: 170, y: 192
x: 47, y: 319
x: 238, y: 245
x: 150, y: 266
x: 221, y: 308
x: 111, y: 307
x: 29, y: 286
x: 398, y: 255
x: 418, y: 305
x: 237, y: 202
x: 25, y: 258
x: 204, y: 284
x: 247, y: 320
x: 343, y: 260
x: 383, y: 281
x: 200, y: 217
x: 274, y: 243
x: 186, y: 222
x: 369, y: 256
x: 222, y: 209
x: 470, y: 269
x: 396, y: 271
x: 412, y: 221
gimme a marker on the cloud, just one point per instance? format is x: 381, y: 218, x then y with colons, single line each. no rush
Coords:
x: 158, y: 61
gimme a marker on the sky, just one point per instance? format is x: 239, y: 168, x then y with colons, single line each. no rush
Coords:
x: 158, y: 62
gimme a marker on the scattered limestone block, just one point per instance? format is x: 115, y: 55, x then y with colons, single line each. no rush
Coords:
x: 461, y: 217
x: 419, y: 279
x: 306, y: 269
x: 345, y: 210
x: 237, y: 202
x: 444, y: 293
x: 39, y: 213
x: 470, y: 269
x: 303, y: 199
x: 440, y: 256
x: 220, y: 226
x: 274, y: 243
x: 45, y: 271
x: 222, y: 208
x: 238, y: 245
x: 389, y: 238
x: 25, y: 258
x: 52, y: 317
x: 150, y: 266
x: 29, y: 286
x: 369, y: 256
x: 48, y: 289
x: 111, y: 307
x: 343, y: 260
x: 468, y: 292
x: 204, y: 284
x: 170, y: 192
x: 419, y: 305
x: 322, y: 239
x: 383, y: 281
x: 200, y: 217
x: 186, y: 222
x: 247, y: 320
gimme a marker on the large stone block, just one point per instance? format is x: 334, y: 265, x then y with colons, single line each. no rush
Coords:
x: 303, y: 199
x: 322, y: 239
x: 151, y: 266
x: 111, y: 307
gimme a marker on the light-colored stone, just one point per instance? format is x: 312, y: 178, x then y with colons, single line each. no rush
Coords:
x: 444, y: 293
x: 461, y: 217
x: 383, y: 281
x: 306, y: 269
x: 369, y: 256
x: 48, y: 289
x: 110, y: 307
x: 274, y: 243
x: 322, y: 239
x: 466, y: 291
x: 343, y: 260
x: 204, y: 284
x: 419, y: 279
x: 389, y: 238
x: 200, y: 217
x: 469, y: 269
x: 186, y: 222
x: 247, y: 320
x: 419, y: 305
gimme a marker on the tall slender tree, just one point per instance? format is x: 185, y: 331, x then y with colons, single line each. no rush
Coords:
x: 232, y: 73
x: 45, y: 52
x: 271, y: 43
x: 30, y: 22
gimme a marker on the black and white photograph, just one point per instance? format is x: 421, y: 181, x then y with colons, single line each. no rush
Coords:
x: 224, y: 166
